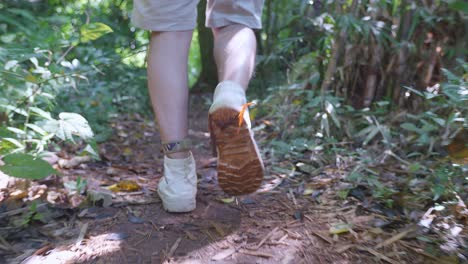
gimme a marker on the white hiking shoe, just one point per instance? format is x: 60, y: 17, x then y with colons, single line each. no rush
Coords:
x: 178, y: 187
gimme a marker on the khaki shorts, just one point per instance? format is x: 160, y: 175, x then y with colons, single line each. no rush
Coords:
x: 178, y: 15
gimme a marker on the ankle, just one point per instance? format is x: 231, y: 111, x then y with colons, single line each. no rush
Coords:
x: 178, y: 155
x: 177, y: 149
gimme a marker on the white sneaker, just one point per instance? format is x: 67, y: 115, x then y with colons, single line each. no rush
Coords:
x: 178, y: 187
x: 229, y: 94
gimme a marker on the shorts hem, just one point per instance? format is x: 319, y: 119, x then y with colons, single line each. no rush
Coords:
x: 230, y: 20
x: 163, y: 26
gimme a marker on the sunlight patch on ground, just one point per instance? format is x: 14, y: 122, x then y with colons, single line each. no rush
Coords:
x: 91, y: 248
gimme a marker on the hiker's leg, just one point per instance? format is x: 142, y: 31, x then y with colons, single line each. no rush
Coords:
x: 234, y: 41
x: 234, y: 52
x: 240, y: 168
x: 171, y: 23
x: 168, y: 83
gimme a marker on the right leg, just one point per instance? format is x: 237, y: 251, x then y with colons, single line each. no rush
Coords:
x: 171, y: 23
x: 240, y: 167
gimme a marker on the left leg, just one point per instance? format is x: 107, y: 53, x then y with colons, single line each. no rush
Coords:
x: 171, y: 24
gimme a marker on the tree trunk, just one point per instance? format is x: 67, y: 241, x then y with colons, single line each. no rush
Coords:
x: 208, y: 77
x: 406, y: 17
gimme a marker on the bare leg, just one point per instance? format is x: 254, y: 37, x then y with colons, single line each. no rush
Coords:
x: 240, y: 167
x: 234, y: 52
x: 168, y: 83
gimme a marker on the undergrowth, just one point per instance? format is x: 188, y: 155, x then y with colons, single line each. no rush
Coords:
x: 392, y: 153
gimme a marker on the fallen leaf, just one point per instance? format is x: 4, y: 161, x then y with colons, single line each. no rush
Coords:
x: 117, y: 236
x: 135, y: 219
x: 248, y: 201
x: 339, y: 228
x: 98, y: 195
x: 18, y: 194
x: 227, y: 200
x: 218, y: 229
x: 54, y: 197
x: 125, y: 186
x: 458, y: 148
x: 73, y: 162
x: 76, y: 200
x: 37, y: 191
x: 127, y: 151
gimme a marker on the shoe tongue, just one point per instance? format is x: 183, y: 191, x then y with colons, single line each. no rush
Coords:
x: 228, y: 94
x: 175, y: 162
x: 231, y: 88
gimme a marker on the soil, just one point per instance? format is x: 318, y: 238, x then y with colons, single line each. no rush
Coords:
x: 274, y: 225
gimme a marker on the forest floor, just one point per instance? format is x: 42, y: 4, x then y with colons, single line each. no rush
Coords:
x: 277, y: 224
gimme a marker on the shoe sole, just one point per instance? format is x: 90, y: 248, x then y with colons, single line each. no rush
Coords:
x: 240, y: 167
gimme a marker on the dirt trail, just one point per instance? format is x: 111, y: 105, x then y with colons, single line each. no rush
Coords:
x: 272, y: 226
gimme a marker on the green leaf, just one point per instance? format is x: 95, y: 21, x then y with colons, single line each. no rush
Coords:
x: 41, y: 113
x: 459, y: 5
x: 4, y: 132
x: 91, y: 150
x: 414, y: 167
x: 414, y: 91
x: 25, y: 166
x: 68, y: 125
x: 6, y: 147
x: 409, y: 127
x: 15, y: 130
x: 93, y: 31
x: 37, y: 129
x: 15, y: 142
x: 14, y: 109
x: 371, y: 135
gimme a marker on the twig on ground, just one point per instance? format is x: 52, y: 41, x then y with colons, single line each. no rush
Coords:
x: 344, y: 248
x: 417, y: 250
x: 154, y: 226
x: 43, y: 250
x: 264, y: 239
x: 147, y: 236
x: 255, y: 253
x: 377, y: 254
x: 20, y: 210
x: 310, y: 237
x: 190, y: 235
x: 308, y: 218
x: 5, y: 245
x: 396, y: 237
x: 135, y: 250
x: 293, y: 235
x: 282, y: 238
x: 326, y: 239
x: 140, y: 232
x: 293, y: 198
x: 224, y: 254
x: 82, y: 234
x: 174, y: 248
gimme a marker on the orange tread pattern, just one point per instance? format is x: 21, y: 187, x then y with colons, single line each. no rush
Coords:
x: 240, y: 167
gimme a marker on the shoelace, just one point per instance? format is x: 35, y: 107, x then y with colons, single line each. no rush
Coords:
x: 241, y: 114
